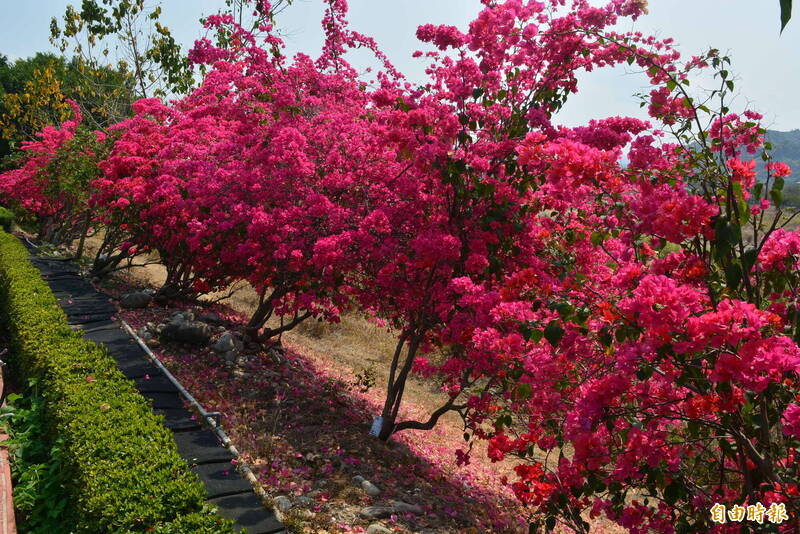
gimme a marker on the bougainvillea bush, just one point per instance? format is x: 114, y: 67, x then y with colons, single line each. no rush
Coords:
x: 52, y: 186
x: 613, y: 304
x: 650, y: 361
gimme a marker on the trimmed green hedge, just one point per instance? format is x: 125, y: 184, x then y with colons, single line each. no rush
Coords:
x: 123, y: 468
x: 6, y: 218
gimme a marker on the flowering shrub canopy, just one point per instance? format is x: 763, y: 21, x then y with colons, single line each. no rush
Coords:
x: 613, y: 304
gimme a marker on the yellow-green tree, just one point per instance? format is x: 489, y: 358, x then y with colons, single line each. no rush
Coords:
x: 33, y: 92
x: 39, y: 103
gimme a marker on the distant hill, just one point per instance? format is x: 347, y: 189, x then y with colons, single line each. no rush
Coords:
x: 786, y: 148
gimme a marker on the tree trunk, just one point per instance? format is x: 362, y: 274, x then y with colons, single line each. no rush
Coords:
x: 82, y: 242
x: 266, y: 304
x: 397, y: 382
x: 272, y: 332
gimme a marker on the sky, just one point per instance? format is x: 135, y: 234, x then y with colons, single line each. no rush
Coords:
x: 766, y: 63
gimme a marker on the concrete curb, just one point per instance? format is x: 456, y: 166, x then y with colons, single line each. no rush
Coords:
x: 8, y: 524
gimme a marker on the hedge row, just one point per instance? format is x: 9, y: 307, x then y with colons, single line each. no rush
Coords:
x: 123, y: 469
x: 6, y: 218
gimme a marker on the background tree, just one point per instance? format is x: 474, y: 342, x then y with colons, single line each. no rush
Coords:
x: 31, y: 98
x: 251, y: 15
x: 32, y: 93
x: 128, y: 34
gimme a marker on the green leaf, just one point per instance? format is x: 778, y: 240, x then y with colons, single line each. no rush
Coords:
x: 777, y: 197
x: 536, y: 335
x: 749, y: 259
x: 644, y: 373
x: 786, y: 13
x: 693, y: 427
x: 564, y: 309
x: 553, y: 333
x: 597, y: 238
x: 744, y: 213
x: 733, y: 275
x: 673, y: 492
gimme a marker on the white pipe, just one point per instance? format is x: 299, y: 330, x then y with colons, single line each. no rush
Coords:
x: 210, y: 417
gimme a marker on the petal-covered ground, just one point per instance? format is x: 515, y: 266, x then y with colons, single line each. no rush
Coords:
x: 302, y: 424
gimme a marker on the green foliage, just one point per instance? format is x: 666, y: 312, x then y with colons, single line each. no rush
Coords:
x: 146, y: 52
x: 66, y: 177
x: 33, y: 90
x: 197, y: 523
x: 120, y: 465
x: 6, y: 218
x: 40, y: 499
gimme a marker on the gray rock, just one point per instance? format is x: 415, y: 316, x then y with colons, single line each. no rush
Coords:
x: 135, y: 299
x: 211, y: 318
x: 182, y: 316
x: 145, y: 334
x: 230, y: 356
x: 377, y: 528
x: 227, y: 342
x: 384, y: 511
x: 282, y: 503
x: 186, y: 331
x: 371, y: 489
x: 307, y: 515
x: 305, y: 501
x: 400, y: 507
x: 376, y: 512
x: 358, y: 480
x: 241, y: 375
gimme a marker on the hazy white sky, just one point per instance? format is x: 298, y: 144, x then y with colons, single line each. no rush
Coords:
x: 767, y: 64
